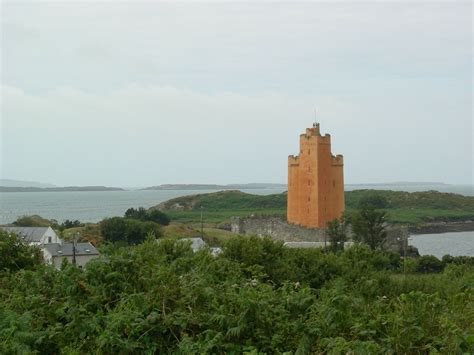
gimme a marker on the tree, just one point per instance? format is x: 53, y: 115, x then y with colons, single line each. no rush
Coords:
x: 139, y: 213
x: 130, y: 231
x: 16, y: 254
x: 429, y: 263
x: 368, y: 226
x: 159, y: 217
x: 337, y: 234
x: 70, y: 224
x: 114, y: 229
x: 153, y: 215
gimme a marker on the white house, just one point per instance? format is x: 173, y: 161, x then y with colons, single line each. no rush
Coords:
x: 198, y: 244
x: 55, y: 253
x: 35, y: 235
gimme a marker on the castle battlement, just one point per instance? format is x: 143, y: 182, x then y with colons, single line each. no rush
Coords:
x: 293, y: 160
x: 338, y: 160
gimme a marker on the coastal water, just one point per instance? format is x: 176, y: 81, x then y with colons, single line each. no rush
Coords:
x: 455, y: 244
x: 90, y: 206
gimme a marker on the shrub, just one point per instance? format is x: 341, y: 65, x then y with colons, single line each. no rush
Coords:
x: 70, y: 224
x: 429, y: 263
x: 458, y: 260
x: 373, y: 200
x: 129, y: 231
x: 152, y: 215
x: 16, y: 254
x: 368, y: 226
x: 337, y: 233
x: 34, y: 221
x: 256, y: 297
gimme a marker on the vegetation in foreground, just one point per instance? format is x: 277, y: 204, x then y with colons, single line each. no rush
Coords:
x: 402, y: 207
x: 256, y: 297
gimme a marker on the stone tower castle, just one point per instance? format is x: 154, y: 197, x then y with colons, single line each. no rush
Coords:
x: 315, y: 182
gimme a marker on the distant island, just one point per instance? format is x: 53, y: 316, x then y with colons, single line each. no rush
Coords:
x: 215, y: 186
x: 58, y: 189
x: 274, y: 186
x: 402, y: 183
x: 23, y: 183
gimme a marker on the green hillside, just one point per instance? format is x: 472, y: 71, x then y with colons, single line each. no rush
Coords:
x: 225, y: 200
x: 402, y: 207
x: 423, y: 199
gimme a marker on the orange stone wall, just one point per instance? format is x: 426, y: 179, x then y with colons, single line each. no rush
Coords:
x: 315, y: 182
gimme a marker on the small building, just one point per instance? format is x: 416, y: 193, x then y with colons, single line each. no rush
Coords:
x: 198, y: 243
x: 305, y: 245
x: 55, y: 253
x: 37, y: 236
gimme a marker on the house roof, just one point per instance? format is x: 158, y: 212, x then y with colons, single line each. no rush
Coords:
x: 30, y: 234
x: 65, y: 249
x: 304, y: 244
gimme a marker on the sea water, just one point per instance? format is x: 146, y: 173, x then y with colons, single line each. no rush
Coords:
x: 455, y: 244
x: 90, y: 206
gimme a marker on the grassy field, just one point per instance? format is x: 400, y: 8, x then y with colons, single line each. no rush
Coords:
x: 402, y: 207
x: 213, y: 216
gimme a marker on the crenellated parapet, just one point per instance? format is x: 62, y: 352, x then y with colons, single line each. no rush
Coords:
x: 293, y: 160
x: 313, y: 131
x: 337, y: 160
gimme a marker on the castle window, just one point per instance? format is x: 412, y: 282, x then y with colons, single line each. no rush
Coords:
x: 309, y: 198
x: 309, y: 152
x: 334, y: 183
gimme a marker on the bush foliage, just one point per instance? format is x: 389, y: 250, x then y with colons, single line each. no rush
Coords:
x: 15, y: 254
x: 151, y: 215
x: 128, y: 231
x: 256, y: 297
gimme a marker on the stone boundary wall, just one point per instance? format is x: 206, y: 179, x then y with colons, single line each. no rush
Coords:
x: 443, y: 227
x: 278, y: 229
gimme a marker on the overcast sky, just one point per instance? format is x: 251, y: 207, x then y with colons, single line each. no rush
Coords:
x: 127, y: 94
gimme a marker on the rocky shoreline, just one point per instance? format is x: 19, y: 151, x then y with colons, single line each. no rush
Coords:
x: 442, y: 227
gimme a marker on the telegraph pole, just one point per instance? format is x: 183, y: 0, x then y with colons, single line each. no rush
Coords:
x: 202, y: 226
x: 76, y: 235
